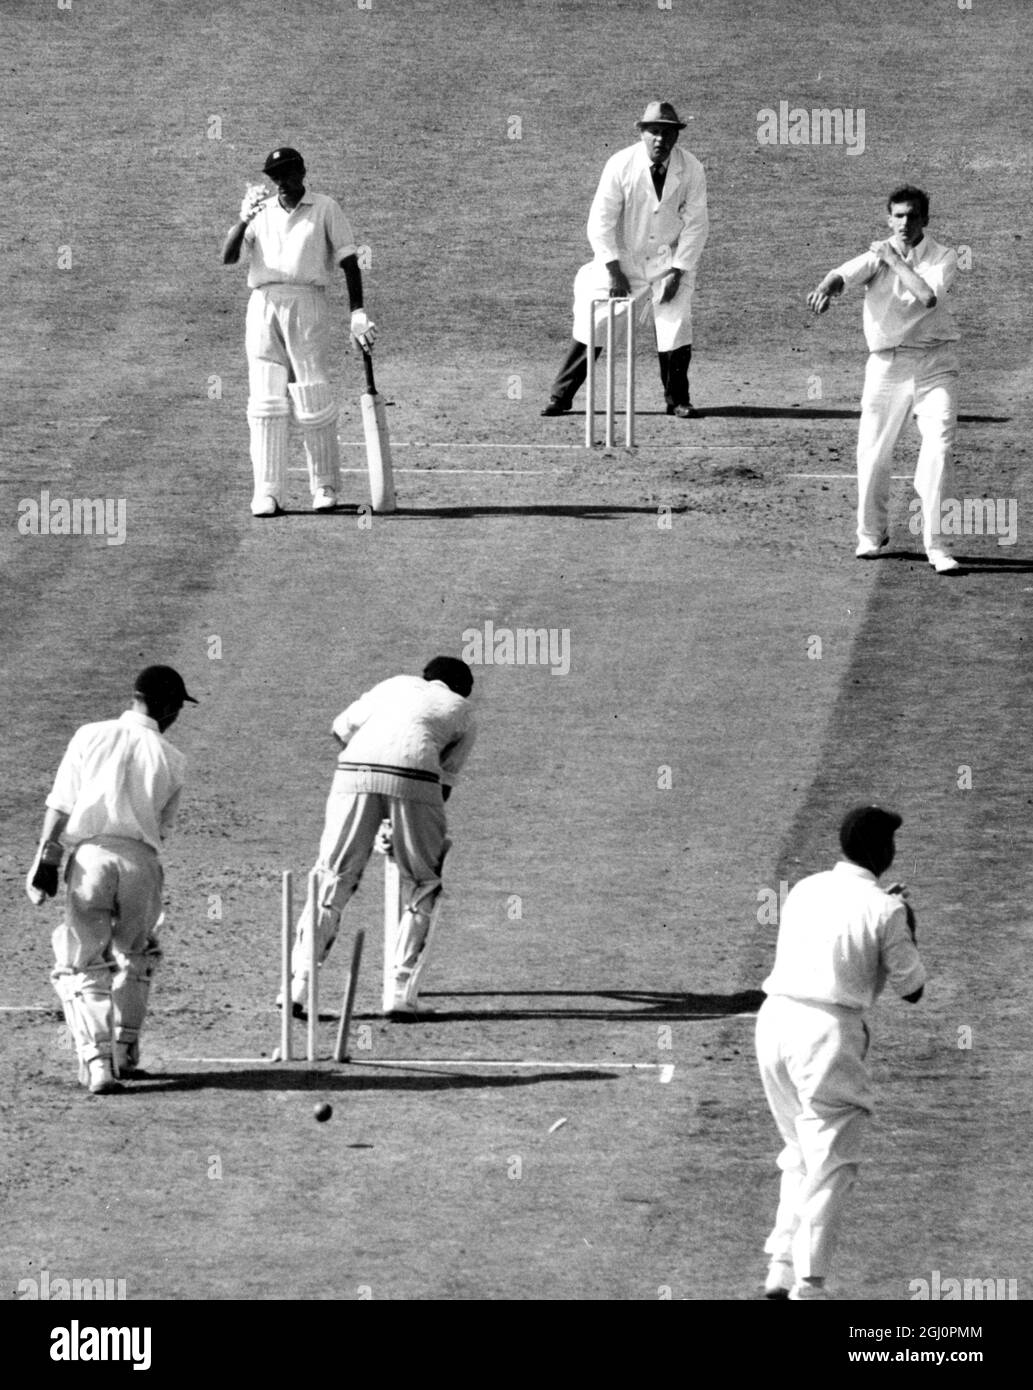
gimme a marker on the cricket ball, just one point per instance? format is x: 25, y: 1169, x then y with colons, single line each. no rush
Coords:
x: 323, y: 1111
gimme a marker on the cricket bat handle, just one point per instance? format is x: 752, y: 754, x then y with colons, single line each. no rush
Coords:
x: 367, y: 365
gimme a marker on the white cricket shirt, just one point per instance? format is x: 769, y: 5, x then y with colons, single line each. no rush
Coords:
x: 841, y: 940
x: 300, y: 247
x: 892, y: 315
x: 119, y: 777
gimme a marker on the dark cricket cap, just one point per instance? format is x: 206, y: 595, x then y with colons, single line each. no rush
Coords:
x: 284, y: 155
x: 163, y: 685
x: 455, y: 674
x: 864, y: 826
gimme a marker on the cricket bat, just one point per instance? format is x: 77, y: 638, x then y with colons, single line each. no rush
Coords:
x: 378, y: 442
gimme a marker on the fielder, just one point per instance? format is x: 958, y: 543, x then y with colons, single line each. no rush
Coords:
x: 841, y: 939
x: 114, y: 801
x: 647, y: 227
x: 295, y: 239
x: 403, y: 745
x: 912, y: 367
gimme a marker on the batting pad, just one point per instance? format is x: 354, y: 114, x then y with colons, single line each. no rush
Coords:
x: 130, y: 990
x: 415, y: 932
x: 87, y: 1009
x: 269, y: 453
x: 315, y: 409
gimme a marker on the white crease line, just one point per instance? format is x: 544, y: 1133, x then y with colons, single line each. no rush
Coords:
x: 896, y: 477
x: 666, y: 1069
x: 30, y: 1008
x: 597, y: 449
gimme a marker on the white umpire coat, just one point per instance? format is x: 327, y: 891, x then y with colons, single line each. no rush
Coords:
x: 649, y: 236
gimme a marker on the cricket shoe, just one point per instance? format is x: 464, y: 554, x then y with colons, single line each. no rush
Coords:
x: 942, y: 562
x: 780, y: 1279
x: 804, y: 1292
x: 127, y: 1062
x: 298, y: 1009
x: 401, y: 1011
x: 556, y: 406
x: 324, y: 499
x: 868, y: 550
x: 265, y: 506
x: 102, y: 1079
x: 683, y: 412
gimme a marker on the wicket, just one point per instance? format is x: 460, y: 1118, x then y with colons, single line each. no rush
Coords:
x: 286, y: 934
x: 629, y: 399
x: 392, y: 917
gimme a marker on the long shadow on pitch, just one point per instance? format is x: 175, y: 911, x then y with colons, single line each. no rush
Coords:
x: 586, y: 511
x: 766, y: 412
x: 638, y: 1005
x: 782, y: 412
x: 342, y: 1077
x: 970, y: 564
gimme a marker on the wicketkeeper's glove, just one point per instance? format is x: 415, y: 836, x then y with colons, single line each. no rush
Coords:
x: 41, y: 880
x: 256, y: 195
x: 363, y: 329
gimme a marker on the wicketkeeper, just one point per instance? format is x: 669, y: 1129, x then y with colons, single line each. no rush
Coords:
x: 403, y: 745
x: 295, y: 239
x: 113, y: 803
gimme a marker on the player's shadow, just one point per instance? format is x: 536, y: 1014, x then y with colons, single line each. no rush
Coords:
x: 630, y: 1005
x: 807, y: 412
x: 994, y: 564
x: 968, y: 564
x: 584, y: 511
x: 324, y: 1078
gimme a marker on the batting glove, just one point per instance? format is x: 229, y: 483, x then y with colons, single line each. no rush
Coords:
x: 256, y: 195
x: 383, y: 844
x: 364, y: 330
x: 41, y: 880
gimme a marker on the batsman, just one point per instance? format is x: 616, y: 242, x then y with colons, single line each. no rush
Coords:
x: 403, y: 744
x: 295, y: 239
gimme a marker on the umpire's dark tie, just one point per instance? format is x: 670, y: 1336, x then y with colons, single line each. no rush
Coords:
x: 659, y: 174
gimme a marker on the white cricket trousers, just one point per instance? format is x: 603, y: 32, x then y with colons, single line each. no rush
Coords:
x: 899, y: 381
x: 420, y: 843
x: 106, y: 949
x: 287, y: 339
x: 811, y: 1061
